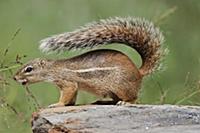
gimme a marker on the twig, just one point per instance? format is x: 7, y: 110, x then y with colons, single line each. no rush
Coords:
x: 9, y: 106
x: 33, y: 97
x: 9, y: 68
x: 187, y: 78
x: 194, y: 103
x: 163, y: 96
x: 189, y: 96
x: 13, y: 37
x: 8, y: 45
x: 18, y: 59
x: 163, y: 93
x: 164, y: 15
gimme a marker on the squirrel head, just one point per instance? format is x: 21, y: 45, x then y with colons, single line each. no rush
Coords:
x: 32, y: 72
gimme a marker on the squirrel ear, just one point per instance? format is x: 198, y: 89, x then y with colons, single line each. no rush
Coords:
x: 42, y: 62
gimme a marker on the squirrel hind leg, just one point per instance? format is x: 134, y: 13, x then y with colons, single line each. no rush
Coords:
x: 118, y: 98
x: 126, y: 95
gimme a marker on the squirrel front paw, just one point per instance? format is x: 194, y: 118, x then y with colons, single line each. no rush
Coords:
x: 59, y: 104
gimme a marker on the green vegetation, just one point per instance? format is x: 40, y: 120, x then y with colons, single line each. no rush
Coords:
x: 23, y: 23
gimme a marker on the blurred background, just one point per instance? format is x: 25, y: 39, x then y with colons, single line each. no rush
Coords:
x: 24, y: 23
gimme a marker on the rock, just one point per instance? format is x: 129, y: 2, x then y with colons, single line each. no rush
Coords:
x: 117, y: 119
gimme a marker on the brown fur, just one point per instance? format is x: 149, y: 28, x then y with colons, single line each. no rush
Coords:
x: 106, y: 73
x: 121, y: 81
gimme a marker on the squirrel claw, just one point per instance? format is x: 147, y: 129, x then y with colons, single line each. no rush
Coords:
x: 56, y: 105
x: 120, y: 103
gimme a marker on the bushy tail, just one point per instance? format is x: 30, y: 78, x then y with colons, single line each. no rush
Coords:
x: 134, y: 32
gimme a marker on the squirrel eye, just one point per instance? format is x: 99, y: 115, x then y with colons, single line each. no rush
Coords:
x: 28, y: 69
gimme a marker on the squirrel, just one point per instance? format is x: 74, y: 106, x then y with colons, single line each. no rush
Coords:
x: 104, y: 72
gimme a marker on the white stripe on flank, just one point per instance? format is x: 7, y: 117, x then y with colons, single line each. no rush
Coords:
x: 93, y: 69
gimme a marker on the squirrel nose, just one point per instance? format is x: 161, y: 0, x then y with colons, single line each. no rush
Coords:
x: 14, y: 78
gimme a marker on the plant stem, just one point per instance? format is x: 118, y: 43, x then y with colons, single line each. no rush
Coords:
x: 8, y: 68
